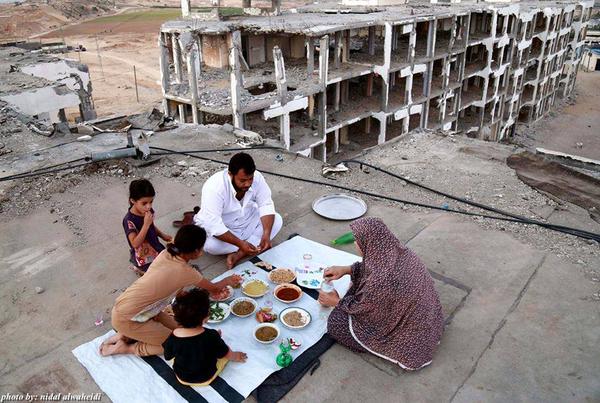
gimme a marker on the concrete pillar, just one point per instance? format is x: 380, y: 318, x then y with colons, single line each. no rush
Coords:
x: 192, y: 57
x: 382, y: 131
x: 182, y: 113
x: 412, y: 42
x: 284, y: 120
x: 246, y: 3
x: 344, y: 138
x: 431, y: 38
x: 367, y: 125
x: 323, y: 60
x: 372, y: 41
x: 276, y: 6
x: 164, y: 70
x: 185, y: 8
x: 369, y: 87
x: 336, y: 141
x: 310, y: 57
x: 322, y: 113
x: 345, y: 90
x: 346, y: 53
x: 336, y: 100
x: 176, y: 58
x: 311, y: 107
x: 387, y: 51
x: 337, y: 56
x: 235, y: 44
x: 280, y: 79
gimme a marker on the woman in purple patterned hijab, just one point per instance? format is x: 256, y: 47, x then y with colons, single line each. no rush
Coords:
x: 392, y: 309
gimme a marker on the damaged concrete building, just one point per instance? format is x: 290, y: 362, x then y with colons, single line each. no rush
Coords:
x: 324, y: 76
x: 45, y: 87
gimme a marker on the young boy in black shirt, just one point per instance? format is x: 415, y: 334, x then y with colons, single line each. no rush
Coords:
x: 200, y: 353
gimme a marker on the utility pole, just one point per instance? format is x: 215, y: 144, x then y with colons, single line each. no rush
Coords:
x: 99, y: 57
x: 137, y: 97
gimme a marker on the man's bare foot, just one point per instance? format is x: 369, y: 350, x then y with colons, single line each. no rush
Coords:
x: 112, y: 340
x: 234, y: 257
x: 120, y: 347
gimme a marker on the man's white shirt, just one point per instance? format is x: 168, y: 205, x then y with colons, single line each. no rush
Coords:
x: 220, y: 211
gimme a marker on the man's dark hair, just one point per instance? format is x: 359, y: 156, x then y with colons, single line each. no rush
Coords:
x: 242, y: 161
x: 191, y: 307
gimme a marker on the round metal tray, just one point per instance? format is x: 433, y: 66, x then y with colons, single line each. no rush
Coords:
x: 339, y: 206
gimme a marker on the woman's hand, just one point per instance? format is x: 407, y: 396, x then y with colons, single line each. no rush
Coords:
x: 335, y: 272
x: 329, y: 299
x: 232, y: 280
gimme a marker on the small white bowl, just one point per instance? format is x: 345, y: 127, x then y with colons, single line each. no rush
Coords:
x: 226, y: 312
x: 270, y: 275
x: 266, y: 325
x: 287, y: 285
x: 254, y: 295
x: 303, y: 312
x: 240, y: 299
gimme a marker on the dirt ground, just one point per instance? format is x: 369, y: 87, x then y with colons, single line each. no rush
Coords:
x: 573, y: 128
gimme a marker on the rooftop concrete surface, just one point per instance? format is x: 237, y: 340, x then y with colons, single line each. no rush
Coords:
x: 522, y: 325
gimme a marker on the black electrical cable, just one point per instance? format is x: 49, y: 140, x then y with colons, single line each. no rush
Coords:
x: 573, y: 231
x: 567, y: 230
x: 509, y: 217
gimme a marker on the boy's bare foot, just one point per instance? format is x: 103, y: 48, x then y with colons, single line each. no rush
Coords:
x: 120, y: 347
x: 234, y: 257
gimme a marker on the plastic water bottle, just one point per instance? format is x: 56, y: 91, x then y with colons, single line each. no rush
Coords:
x: 326, y: 286
x: 324, y: 311
x: 348, y: 237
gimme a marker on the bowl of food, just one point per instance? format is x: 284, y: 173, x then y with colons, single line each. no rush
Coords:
x: 218, y: 312
x: 295, y: 318
x: 282, y: 275
x: 287, y: 293
x: 255, y: 288
x: 266, y: 333
x: 223, y: 295
x: 243, y: 307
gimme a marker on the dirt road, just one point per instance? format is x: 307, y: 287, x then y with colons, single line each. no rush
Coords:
x: 575, y: 128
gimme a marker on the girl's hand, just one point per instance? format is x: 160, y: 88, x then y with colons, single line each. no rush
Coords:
x: 167, y: 238
x: 329, y: 299
x: 239, y: 356
x: 233, y: 280
x: 148, y: 218
x: 334, y: 272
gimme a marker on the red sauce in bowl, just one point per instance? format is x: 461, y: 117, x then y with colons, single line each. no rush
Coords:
x: 287, y: 294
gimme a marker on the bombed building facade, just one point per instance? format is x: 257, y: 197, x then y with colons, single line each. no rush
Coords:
x: 322, y: 77
x: 44, y: 87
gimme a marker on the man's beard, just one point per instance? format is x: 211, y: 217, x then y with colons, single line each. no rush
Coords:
x: 238, y: 189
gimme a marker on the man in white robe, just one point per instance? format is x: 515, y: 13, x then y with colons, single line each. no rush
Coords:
x: 237, y: 211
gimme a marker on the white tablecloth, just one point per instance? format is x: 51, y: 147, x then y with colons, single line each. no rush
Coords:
x: 238, y: 332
